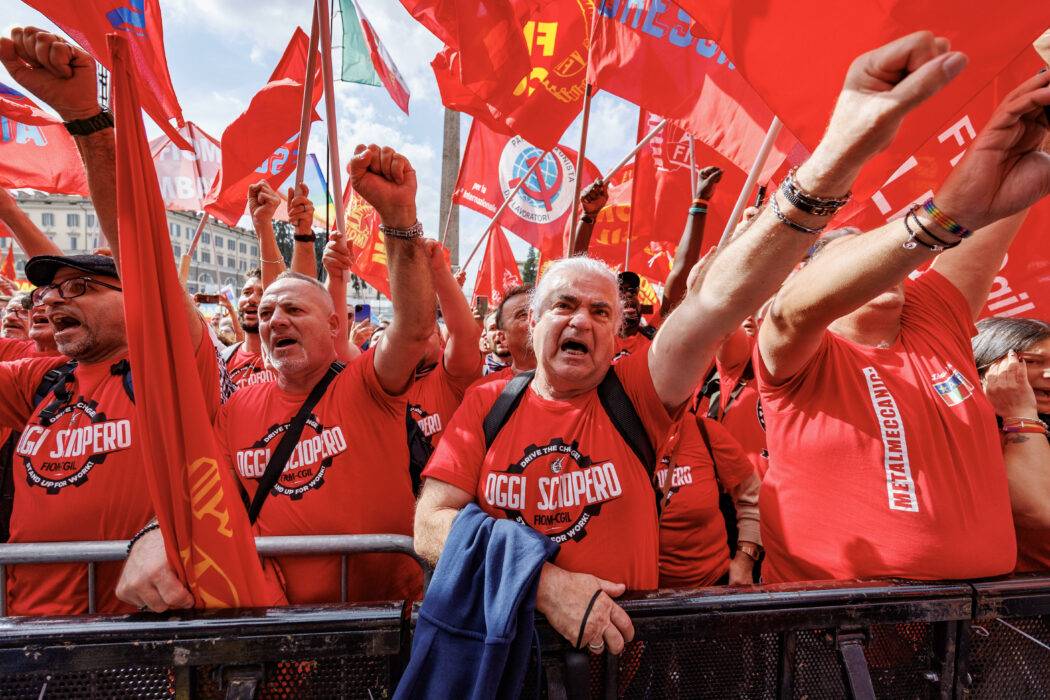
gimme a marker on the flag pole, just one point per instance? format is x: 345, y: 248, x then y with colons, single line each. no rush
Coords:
x: 639, y: 146
x: 692, y: 166
x: 495, y: 217
x: 579, y: 163
x: 448, y: 220
x: 634, y: 191
x: 321, y: 16
x: 752, y: 177
x: 308, y: 103
x: 197, y: 235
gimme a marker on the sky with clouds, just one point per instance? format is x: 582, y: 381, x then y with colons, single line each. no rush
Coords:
x: 221, y: 52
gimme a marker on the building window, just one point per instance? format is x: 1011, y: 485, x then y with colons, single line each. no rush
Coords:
x: 47, y: 219
x: 244, y: 248
x: 72, y: 242
x: 244, y: 266
x: 205, y: 256
x: 178, y: 251
x: 20, y: 268
x: 205, y: 237
x: 194, y: 255
x: 231, y: 244
x: 255, y: 251
x: 218, y: 258
x: 91, y: 221
x: 231, y: 263
x: 218, y: 242
x: 73, y: 220
x: 173, y: 230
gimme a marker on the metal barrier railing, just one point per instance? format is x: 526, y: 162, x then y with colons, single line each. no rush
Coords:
x: 855, y: 639
x: 116, y: 550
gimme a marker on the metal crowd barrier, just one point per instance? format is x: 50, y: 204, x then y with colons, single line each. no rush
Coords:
x: 884, y: 639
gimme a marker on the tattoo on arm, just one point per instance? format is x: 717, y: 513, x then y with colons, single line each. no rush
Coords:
x: 1017, y: 439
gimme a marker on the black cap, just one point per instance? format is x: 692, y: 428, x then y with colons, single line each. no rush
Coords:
x: 40, y: 270
x: 629, y: 279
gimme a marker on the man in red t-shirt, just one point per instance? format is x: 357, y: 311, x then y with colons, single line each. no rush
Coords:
x: 543, y: 467
x: 348, y: 473
x: 246, y: 364
x: 884, y: 454
x: 512, y: 321
x: 15, y: 322
x: 444, y: 373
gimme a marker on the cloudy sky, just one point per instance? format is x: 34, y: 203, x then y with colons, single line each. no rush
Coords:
x: 221, y: 53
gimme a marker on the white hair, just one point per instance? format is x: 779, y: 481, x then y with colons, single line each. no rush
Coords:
x: 572, y: 268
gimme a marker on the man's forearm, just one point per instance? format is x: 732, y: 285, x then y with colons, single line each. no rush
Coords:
x: 685, y: 257
x: 581, y: 239
x: 99, y: 153
x: 271, y: 262
x: 461, y: 351
x: 411, y: 292
x: 304, y: 258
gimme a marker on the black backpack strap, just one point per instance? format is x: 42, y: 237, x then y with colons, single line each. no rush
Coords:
x: 123, y: 369
x: 505, y: 404
x: 289, y: 440
x: 55, y: 380
x: 621, y: 412
x: 229, y: 351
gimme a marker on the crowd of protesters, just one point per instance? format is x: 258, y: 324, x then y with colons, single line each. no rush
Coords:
x: 803, y: 407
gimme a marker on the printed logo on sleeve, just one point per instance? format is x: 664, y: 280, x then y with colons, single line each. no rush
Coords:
x: 952, y: 386
x: 62, y: 451
x: 553, y: 489
x: 306, y: 466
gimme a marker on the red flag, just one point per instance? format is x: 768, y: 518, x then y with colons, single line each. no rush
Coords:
x: 493, y: 164
x: 36, y: 151
x: 540, y: 103
x: 262, y: 143
x: 765, y: 38
x: 367, y: 245
x: 499, y: 270
x: 185, y: 177
x: 644, y: 53
x: 1022, y: 287
x: 8, y: 268
x: 206, y: 531
x: 88, y: 22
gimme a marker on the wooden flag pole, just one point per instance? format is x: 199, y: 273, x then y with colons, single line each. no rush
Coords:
x: 321, y: 16
x: 692, y: 166
x: 197, y: 235
x: 308, y: 103
x: 634, y: 192
x: 752, y: 178
x: 639, y: 146
x: 579, y: 164
x: 495, y: 217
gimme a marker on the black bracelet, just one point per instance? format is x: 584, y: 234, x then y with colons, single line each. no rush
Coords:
x: 586, y: 614
x: 913, y: 212
x: 789, y: 222
x: 306, y: 238
x: 588, y: 219
x: 150, y: 527
x: 84, y: 127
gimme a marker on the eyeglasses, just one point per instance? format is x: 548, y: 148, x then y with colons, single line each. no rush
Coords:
x: 68, y: 289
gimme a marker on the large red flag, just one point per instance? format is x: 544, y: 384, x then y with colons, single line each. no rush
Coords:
x: 1022, y: 287
x: 493, y: 164
x: 36, y: 151
x: 8, y: 268
x: 540, y: 103
x: 89, y: 21
x: 206, y: 531
x: 499, y: 270
x: 262, y: 143
x: 792, y: 55
x: 657, y: 64
x: 367, y: 245
x: 186, y: 177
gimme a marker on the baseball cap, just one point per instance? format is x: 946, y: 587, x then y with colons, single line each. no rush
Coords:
x: 40, y: 270
x: 629, y: 279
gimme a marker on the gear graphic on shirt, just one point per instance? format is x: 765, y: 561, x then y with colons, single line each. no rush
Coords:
x: 303, y: 471
x: 68, y: 462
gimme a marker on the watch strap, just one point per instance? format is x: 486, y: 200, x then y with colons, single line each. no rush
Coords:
x: 83, y: 127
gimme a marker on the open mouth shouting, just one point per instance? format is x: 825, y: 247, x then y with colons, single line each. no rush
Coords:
x: 574, y: 348
x: 281, y: 344
x: 63, y: 323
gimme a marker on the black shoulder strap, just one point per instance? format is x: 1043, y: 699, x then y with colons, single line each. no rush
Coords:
x: 55, y: 380
x: 701, y: 425
x: 289, y: 440
x: 505, y: 404
x: 229, y: 351
x: 648, y: 331
x: 621, y: 412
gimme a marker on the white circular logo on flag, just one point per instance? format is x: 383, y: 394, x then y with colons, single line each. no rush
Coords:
x: 548, y: 190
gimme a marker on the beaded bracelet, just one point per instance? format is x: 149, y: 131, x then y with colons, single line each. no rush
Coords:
x: 1034, y: 429
x: 413, y: 231
x: 789, y: 222
x: 1021, y: 424
x: 810, y: 203
x: 944, y: 221
x: 150, y: 527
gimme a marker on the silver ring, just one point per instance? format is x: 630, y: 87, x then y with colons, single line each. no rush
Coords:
x: 597, y: 647
x: 143, y: 608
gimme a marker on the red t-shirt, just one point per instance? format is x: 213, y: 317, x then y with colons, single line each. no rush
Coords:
x: 636, y: 344
x: 78, y: 477
x: 743, y: 418
x: 11, y: 350
x: 247, y: 368
x: 1033, y: 550
x: 348, y: 475
x: 694, y: 548
x: 886, y: 461
x: 561, y: 468
x: 433, y: 399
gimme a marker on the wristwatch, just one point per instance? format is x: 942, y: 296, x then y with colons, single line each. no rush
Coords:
x: 83, y: 127
x: 306, y: 238
x: 750, y: 550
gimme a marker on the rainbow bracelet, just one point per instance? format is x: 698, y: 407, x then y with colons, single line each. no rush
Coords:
x: 944, y: 221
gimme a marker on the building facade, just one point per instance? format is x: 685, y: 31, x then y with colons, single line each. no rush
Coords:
x: 222, y: 256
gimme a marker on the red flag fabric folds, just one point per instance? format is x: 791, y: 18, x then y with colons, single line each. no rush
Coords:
x: 762, y: 38
x: 8, y: 268
x: 186, y: 177
x: 493, y: 164
x: 89, y: 21
x: 367, y: 245
x: 36, y: 151
x: 206, y: 531
x: 499, y: 270
x: 262, y: 143
x: 539, y: 101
